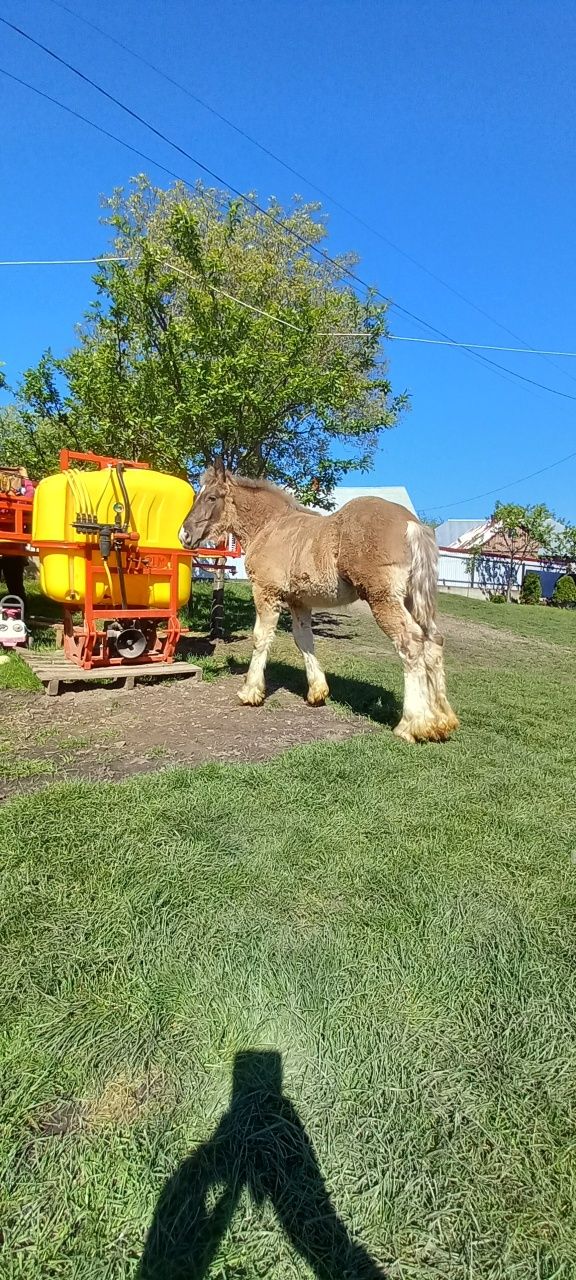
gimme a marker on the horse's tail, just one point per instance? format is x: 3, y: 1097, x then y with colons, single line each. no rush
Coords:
x: 423, y: 573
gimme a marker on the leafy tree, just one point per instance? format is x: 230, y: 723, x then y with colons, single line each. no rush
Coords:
x: 521, y: 529
x: 430, y: 520
x: 169, y: 367
x: 564, y: 593
x: 33, y: 430
x: 531, y: 589
x: 564, y: 547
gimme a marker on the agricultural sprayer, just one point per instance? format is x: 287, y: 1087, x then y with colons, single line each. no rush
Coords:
x: 107, y: 543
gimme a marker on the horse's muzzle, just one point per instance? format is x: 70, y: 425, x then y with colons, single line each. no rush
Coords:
x: 185, y: 538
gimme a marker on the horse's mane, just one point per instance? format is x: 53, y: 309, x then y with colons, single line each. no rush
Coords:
x: 259, y: 485
x: 267, y: 486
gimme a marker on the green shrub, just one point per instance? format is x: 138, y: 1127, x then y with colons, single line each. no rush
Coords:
x: 531, y: 589
x: 496, y: 597
x: 564, y: 592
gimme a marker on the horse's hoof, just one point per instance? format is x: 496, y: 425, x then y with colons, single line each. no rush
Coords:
x: 403, y: 732
x: 439, y: 729
x: 317, y: 695
x: 436, y: 730
x: 250, y: 697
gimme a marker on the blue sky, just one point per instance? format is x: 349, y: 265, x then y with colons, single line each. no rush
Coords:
x: 446, y: 125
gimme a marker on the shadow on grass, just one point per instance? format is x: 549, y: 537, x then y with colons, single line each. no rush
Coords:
x: 262, y: 1146
x: 359, y: 696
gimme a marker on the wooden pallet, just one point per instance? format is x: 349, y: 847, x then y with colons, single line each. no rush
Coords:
x: 53, y: 671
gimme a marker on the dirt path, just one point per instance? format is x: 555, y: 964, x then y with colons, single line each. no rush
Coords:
x: 102, y: 734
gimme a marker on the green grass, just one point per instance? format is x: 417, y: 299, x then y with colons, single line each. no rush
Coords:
x: 16, y: 674
x: 397, y: 922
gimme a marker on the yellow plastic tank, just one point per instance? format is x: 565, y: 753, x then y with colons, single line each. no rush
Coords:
x: 158, y: 505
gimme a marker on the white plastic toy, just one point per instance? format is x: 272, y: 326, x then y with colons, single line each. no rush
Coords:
x: 13, y: 629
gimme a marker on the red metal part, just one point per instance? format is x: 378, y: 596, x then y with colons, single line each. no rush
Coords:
x: 67, y: 455
x: 15, y: 524
x: 230, y: 550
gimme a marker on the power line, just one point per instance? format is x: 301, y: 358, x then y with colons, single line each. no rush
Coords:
x: 339, y: 266
x: 248, y: 305
x: 58, y: 262
x: 356, y: 333
x: 447, y: 506
x: 476, y: 355
x: 123, y: 258
x: 279, y: 320
x: 194, y: 97
x: 92, y: 125
x: 476, y: 346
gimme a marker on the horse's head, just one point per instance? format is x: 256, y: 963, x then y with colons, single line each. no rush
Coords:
x: 207, y: 519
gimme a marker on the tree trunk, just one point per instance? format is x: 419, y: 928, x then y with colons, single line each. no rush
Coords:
x: 509, y: 584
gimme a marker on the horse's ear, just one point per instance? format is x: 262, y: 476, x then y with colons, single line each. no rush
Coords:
x: 219, y: 470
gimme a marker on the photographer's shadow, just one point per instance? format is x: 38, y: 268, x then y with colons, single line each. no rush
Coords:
x: 261, y: 1145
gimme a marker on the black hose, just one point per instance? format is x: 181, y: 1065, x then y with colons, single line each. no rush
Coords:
x: 118, y: 550
x: 127, y: 508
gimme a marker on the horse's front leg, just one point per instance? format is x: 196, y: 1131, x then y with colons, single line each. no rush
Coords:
x: 302, y: 630
x: 253, y: 690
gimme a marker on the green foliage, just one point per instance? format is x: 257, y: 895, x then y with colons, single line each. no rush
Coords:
x: 531, y: 589
x: 432, y: 521
x: 496, y: 597
x: 522, y: 527
x: 170, y: 368
x: 564, y: 592
x: 33, y: 431
x: 565, y: 543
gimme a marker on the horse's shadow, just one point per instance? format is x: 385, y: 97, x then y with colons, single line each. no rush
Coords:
x: 260, y: 1146
x: 360, y: 696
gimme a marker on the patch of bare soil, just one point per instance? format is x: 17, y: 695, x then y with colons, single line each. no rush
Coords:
x: 122, y: 1101
x: 105, y: 735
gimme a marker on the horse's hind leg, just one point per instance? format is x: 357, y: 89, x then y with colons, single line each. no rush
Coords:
x: 421, y: 720
x: 302, y: 631
x: 434, y: 659
x: 253, y: 690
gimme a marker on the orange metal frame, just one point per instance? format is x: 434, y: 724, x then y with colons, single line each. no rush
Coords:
x: 67, y: 455
x: 89, y: 645
x: 15, y: 524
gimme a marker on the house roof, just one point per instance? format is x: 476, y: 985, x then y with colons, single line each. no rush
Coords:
x: 476, y: 534
x: 390, y: 493
x: 450, y: 531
